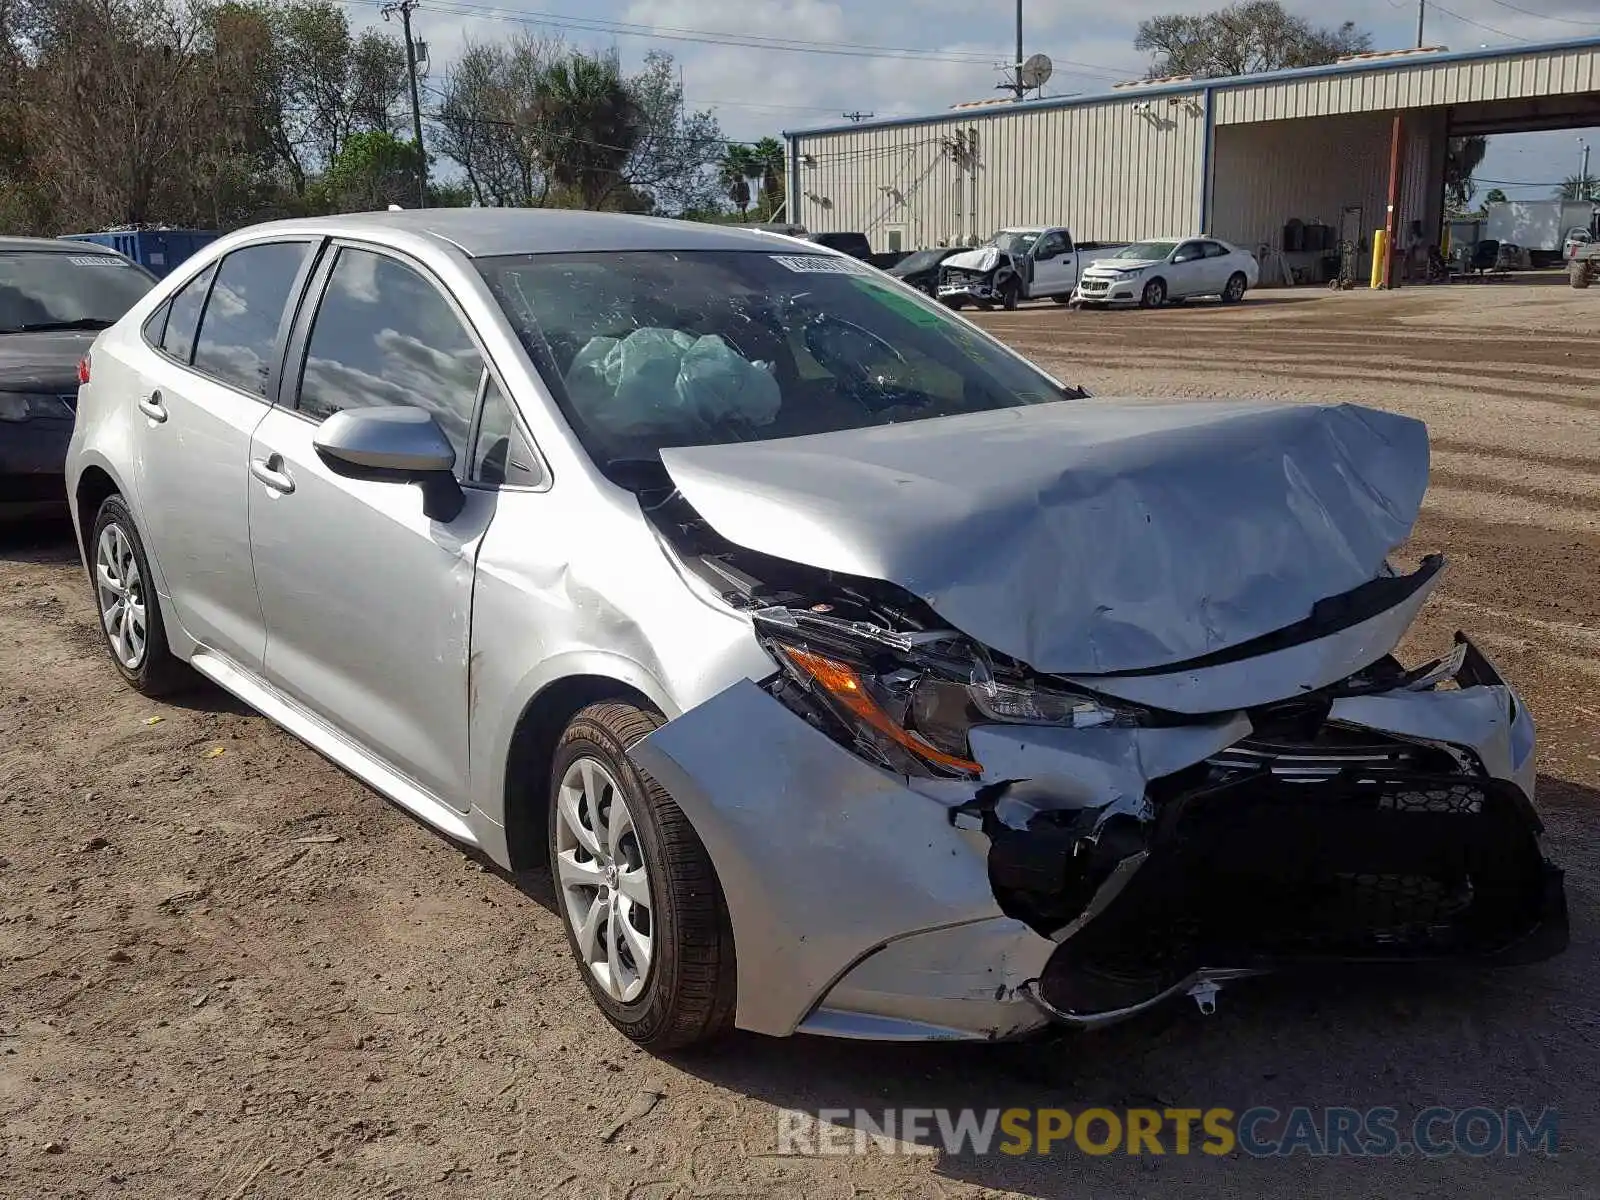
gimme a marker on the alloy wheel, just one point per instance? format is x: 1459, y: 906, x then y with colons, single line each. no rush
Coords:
x: 120, y: 588
x: 604, y: 880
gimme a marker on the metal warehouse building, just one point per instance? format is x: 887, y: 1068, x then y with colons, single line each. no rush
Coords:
x: 1239, y: 158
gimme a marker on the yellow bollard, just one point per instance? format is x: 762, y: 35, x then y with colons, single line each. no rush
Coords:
x: 1380, y: 250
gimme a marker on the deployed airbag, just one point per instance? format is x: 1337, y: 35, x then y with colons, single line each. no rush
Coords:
x: 657, y: 380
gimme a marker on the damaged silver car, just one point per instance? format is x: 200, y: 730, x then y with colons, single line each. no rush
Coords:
x: 853, y: 676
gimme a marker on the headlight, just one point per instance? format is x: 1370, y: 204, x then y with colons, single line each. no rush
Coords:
x: 907, y: 703
x: 26, y: 406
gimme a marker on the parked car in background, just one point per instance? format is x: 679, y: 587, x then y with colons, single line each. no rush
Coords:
x: 856, y: 245
x: 1152, y: 273
x: 853, y: 675
x: 55, y: 296
x: 920, y: 268
x: 1019, y: 264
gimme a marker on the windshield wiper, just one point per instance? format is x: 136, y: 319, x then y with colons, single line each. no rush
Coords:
x: 54, y: 326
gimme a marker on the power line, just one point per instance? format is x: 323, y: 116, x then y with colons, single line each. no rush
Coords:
x: 670, y: 33
x: 1469, y: 21
x: 1528, y: 12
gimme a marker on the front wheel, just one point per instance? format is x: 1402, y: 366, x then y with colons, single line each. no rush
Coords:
x: 644, y: 912
x: 125, y: 598
x: 1154, y: 294
x: 956, y: 303
x: 1233, y: 292
x: 1011, y: 296
x: 1578, y: 274
x: 1062, y: 298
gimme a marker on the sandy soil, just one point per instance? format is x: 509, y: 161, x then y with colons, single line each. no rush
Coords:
x: 227, y: 970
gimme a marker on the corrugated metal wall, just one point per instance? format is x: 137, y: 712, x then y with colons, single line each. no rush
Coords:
x: 1314, y: 169
x: 1105, y: 170
x: 1424, y: 85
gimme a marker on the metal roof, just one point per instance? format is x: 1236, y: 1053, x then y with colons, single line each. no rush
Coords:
x: 484, y: 232
x: 1350, y: 66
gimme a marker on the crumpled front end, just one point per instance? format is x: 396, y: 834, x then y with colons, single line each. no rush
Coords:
x: 1083, y: 870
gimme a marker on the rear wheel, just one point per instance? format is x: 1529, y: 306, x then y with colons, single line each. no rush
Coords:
x: 645, y: 915
x: 1154, y: 294
x: 1233, y: 292
x: 125, y: 598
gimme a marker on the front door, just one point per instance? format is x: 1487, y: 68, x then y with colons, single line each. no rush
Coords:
x: 367, y: 601
x: 199, y: 401
x: 1054, y: 265
x: 1187, y: 276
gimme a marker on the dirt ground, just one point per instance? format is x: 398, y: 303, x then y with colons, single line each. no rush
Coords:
x: 227, y: 970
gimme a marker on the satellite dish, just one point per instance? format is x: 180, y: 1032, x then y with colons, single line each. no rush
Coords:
x: 1035, y: 72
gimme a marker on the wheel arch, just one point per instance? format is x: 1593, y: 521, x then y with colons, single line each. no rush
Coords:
x: 94, y: 487
x: 531, y: 749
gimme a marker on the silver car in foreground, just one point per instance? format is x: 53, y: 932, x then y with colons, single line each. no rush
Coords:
x: 853, y: 676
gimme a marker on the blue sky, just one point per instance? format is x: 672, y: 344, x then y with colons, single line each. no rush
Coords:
x: 756, y: 91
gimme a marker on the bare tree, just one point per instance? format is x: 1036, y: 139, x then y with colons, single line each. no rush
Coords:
x: 1241, y: 39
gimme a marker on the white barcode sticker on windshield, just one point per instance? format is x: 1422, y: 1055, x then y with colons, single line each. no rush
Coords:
x: 95, y: 260
x: 821, y: 264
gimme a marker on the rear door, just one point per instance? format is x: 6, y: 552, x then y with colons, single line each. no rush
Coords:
x: 216, y: 352
x: 368, y: 602
x: 1220, y: 263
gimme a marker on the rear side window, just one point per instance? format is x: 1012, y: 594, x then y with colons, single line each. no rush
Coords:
x: 183, y: 315
x: 384, y: 334
x: 239, y: 332
x: 1216, y: 250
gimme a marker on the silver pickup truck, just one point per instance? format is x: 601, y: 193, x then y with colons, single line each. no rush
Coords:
x: 1021, y: 263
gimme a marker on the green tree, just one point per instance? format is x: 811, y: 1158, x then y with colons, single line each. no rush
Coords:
x: 735, y: 170
x: 372, y: 170
x: 1254, y: 35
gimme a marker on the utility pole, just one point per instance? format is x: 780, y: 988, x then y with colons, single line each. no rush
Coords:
x: 1583, y: 174
x: 405, y: 8
x: 1018, y: 67
x: 1422, y: 14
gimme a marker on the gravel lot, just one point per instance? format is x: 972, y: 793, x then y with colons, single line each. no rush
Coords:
x: 227, y: 970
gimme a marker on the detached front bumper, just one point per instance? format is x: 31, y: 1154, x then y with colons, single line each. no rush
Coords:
x: 1095, y: 873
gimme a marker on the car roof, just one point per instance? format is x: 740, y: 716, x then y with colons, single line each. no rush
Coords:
x: 62, y: 245
x: 485, y: 232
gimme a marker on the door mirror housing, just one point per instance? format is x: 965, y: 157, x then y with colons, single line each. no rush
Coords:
x: 399, y: 444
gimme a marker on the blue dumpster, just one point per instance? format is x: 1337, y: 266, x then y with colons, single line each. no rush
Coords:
x: 157, y: 250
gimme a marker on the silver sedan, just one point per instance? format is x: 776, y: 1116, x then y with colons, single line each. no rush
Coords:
x: 852, y: 675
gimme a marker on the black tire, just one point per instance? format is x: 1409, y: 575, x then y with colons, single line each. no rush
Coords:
x: 1062, y: 298
x: 689, y: 991
x: 158, y: 672
x: 1578, y: 274
x: 1233, y: 290
x: 1154, y: 294
x: 955, y: 302
x: 1011, y: 296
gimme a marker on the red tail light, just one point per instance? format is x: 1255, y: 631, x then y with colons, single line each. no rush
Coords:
x: 83, y: 370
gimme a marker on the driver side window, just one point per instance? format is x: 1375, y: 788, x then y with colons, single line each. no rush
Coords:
x: 1052, y: 245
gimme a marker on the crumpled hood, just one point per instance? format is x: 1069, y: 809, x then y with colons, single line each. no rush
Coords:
x: 1085, y: 536
x: 984, y: 258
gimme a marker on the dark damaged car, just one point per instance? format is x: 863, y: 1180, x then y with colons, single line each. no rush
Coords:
x: 55, y: 296
x: 854, y: 676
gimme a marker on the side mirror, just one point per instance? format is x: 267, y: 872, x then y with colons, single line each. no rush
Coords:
x: 394, y: 445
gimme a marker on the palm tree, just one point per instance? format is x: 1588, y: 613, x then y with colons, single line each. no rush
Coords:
x: 1579, y: 187
x: 735, y: 170
x: 1463, y: 156
x: 770, y: 161
x: 588, y: 125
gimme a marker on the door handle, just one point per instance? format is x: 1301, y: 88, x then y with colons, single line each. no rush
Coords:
x: 270, y: 471
x: 152, y: 407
